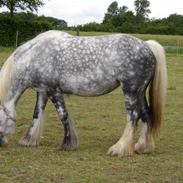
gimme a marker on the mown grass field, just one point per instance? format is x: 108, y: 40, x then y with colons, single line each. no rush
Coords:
x: 173, y: 44
x: 163, y: 39
x: 99, y: 122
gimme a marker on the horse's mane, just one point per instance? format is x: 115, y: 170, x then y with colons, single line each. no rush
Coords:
x: 6, y: 74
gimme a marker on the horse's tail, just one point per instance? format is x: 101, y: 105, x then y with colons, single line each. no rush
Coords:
x: 6, y: 75
x: 158, y: 86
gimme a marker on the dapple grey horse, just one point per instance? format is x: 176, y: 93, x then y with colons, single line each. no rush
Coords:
x: 56, y: 63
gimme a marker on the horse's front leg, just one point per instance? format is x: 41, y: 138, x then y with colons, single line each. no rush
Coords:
x: 125, y: 145
x: 33, y: 136
x: 70, y: 141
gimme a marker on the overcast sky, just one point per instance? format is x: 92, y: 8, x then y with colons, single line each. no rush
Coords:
x: 83, y: 11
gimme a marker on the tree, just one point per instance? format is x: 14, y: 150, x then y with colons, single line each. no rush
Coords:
x: 123, y: 9
x: 122, y: 18
x: 13, y: 5
x: 113, y: 8
x: 142, y: 9
x: 111, y: 11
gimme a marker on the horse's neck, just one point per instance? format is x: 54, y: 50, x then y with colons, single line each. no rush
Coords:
x: 10, y: 89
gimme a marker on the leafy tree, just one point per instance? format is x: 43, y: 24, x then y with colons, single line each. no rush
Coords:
x: 176, y: 19
x: 142, y: 9
x: 113, y: 8
x: 123, y: 9
x: 28, y: 26
x: 111, y: 11
x: 120, y: 19
x: 13, y: 5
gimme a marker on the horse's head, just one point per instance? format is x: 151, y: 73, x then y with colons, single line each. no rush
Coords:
x: 6, y: 123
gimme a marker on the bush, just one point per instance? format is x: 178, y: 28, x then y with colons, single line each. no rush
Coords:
x: 28, y: 26
x: 7, y: 31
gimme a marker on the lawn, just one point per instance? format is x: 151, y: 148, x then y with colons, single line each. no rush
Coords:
x: 99, y: 122
x: 163, y: 39
x: 173, y: 44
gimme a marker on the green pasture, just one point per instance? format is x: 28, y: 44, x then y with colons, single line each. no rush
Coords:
x: 166, y: 40
x: 173, y: 44
x: 99, y: 122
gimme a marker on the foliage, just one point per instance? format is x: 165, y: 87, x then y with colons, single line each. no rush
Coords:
x: 28, y: 26
x: 24, y: 25
x: 127, y: 22
x: 114, y: 10
x: 13, y: 5
x: 116, y: 19
x: 142, y: 10
x: 121, y: 19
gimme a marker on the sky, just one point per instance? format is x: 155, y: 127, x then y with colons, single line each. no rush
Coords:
x: 76, y: 12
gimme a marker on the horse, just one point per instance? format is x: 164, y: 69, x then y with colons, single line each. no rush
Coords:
x: 56, y: 63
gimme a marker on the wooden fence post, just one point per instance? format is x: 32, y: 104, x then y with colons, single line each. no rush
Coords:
x: 77, y: 32
x: 178, y: 45
x: 16, y: 41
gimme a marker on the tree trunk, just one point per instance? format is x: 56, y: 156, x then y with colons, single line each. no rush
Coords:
x: 11, y: 13
x: 11, y: 8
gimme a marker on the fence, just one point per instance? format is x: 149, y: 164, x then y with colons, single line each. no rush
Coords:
x: 178, y: 50
x: 174, y: 46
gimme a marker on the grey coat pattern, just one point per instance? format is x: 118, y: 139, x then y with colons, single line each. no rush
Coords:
x: 56, y: 63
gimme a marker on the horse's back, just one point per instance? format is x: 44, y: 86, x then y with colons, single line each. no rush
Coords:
x: 83, y: 65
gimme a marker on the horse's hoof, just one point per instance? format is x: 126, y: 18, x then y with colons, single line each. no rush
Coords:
x: 28, y: 142
x: 143, y: 149
x: 120, y: 151
x: 68, y: 147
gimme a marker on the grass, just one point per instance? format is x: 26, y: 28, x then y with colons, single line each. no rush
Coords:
x: 4, y: 53
x: 165, y: 40
x: 170, y: 42
x: 99, y: 122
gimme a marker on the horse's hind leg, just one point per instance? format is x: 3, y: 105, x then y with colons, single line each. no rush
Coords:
x: 70, y: 138
x: 33, y: 136
x: 145, y: 143
x: 133, y: 95
x: 125, y: 145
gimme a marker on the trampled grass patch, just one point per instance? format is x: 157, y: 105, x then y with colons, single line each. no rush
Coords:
x: 99, y: 122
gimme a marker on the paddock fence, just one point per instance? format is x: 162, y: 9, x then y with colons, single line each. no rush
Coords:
x: 172, y: 46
